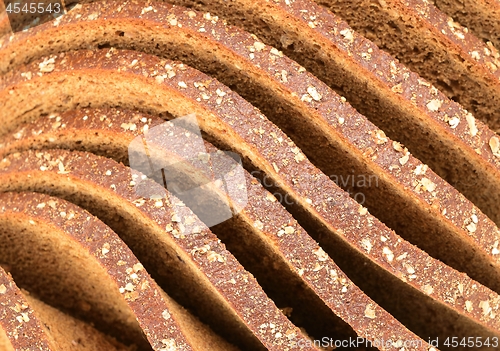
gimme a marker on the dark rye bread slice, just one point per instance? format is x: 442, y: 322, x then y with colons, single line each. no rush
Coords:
x: 433, y: 45
x: 269, y: 81
x: 435, y: 129
x: 346, y: 135
x: 482, y: 17
x: 27, y: 323
x: 335, y: 137
x: 263, y: 235
x: 469, y: 232
x: 71, y: 259
x: 381, y: 263
x: 194, y: 267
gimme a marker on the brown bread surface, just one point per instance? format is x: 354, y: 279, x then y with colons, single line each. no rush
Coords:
x: 480, y: 16
x: 28, y: 323
x: 314, y: 195
x: 276, y: 251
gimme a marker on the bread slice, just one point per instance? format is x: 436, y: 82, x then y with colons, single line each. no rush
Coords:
x: 342, y: 143
x: 433, y: 45
x: 406, y: 107
x: 27, y: 323
x: 337, y: 221
x: 269, y: 250
x: 192, y: 266
x: 331, y: 123
x: 462, y: 216
x: 480, y: 16
x: 109, y: 287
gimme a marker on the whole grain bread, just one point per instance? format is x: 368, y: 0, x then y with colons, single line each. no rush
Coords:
x: 406, y: 107
x: 326, y: 128
x: 480, y: 16
x: 430, y: 43
x: 107, y: 285
x: 434, y: 218
x: 276, y: 249
x: 27, y: 323
x: 336, y: 220
x: 105, y: 24
x: 194, y: 268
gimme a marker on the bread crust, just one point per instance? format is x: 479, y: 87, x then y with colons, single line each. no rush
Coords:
x: 339, y: 121
x: 202, y: 251
x: 347, y: 223
x: 84, y: 129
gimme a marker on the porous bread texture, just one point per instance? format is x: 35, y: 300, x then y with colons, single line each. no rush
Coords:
x: 93, y: 274
x: 285, y: 92
x: 28, y: 323
x: 435, y: 129
x: 186, y: 82
x: 314, y: 194
x: 433, y: 45
x: 480, y: 16
x: 263, y: 236
x: 436, y: 215
x: 193, y: 267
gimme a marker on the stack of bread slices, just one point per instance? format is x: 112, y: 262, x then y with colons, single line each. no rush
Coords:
x: 370, y: 165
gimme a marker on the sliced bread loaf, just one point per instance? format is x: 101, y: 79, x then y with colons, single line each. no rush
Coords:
x: 189, y: 91
x: 280, y: 89
x: 186, y: 259
x: 82, y: 266
x: 263, y: 236
x: 317, y: 200
x: 27, y: 323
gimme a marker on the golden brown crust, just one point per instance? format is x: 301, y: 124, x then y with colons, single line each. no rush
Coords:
x: 139, y: 292
x: 203, y: 249
x: 444, y: 208
x: 325, y: 278
x: 312, y: 190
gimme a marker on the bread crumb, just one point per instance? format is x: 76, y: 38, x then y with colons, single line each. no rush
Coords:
x: 321, y: 254
x: 454, y: 122
x: 347, y: 34
x: 434, y: 105
x: 495, y: 145
x: 370, y: 312
x: 259, y: 46
x: 3, y: 289
x: 428, y: 185
x: 428, y: 289
x: 105, y: 248
x: 388, y: 253
x: 166, y: 315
